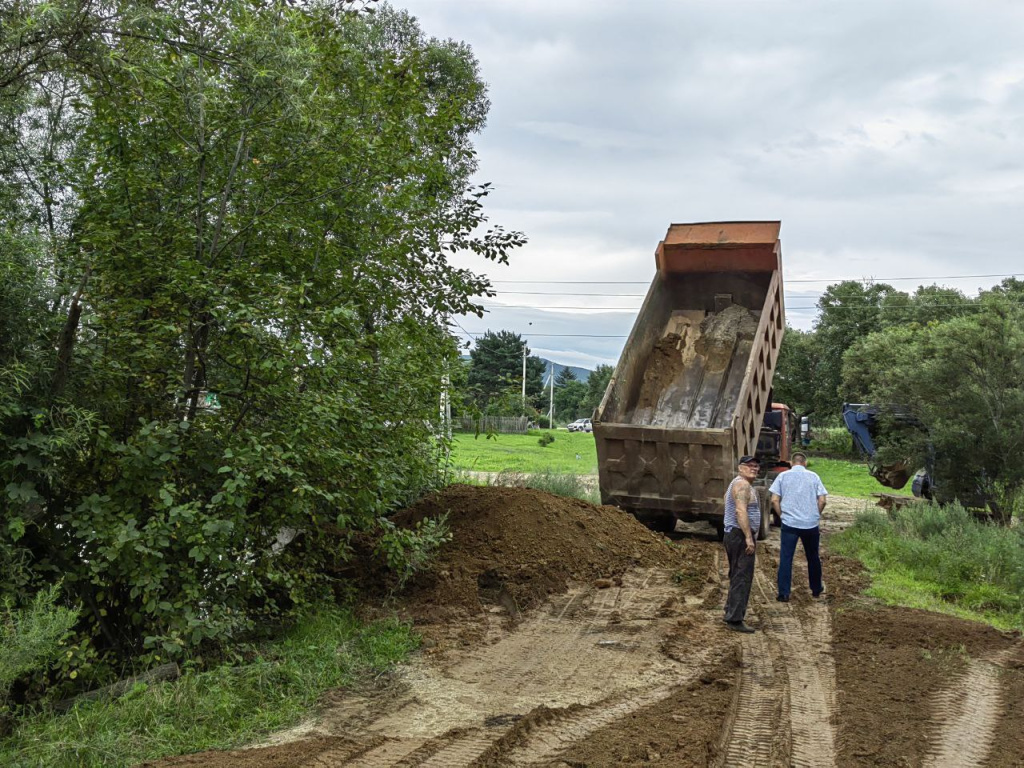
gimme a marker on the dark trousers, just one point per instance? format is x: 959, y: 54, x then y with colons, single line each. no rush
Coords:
x: 810, y: 538
x: 741, y: 575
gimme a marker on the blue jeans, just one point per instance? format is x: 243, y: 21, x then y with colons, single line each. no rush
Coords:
x: 810, y: 537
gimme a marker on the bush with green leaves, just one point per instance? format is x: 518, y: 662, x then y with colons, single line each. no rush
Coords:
x: 226, y: 236
x: 31, y: 638
x: 409, y: 550
x: 545, y: 440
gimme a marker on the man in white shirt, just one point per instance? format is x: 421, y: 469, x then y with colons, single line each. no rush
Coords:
x: 799, y: 497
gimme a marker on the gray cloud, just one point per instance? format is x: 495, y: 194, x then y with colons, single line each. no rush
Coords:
x: 886, y: 136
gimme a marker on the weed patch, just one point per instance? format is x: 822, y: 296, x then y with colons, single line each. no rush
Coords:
x: 220, y: 708
x: 941, y: 558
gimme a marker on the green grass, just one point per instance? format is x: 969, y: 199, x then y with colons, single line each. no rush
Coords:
x: 224, y: 707
x: 850, y: 478
x: 941, y: 559
x: 521, y: 453
x: 559, y: 483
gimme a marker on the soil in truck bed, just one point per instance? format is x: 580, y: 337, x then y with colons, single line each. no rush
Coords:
x: 695, y: 370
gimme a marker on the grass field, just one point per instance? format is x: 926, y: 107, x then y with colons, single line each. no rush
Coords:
x: 575, y: 453
x: 571, y: 453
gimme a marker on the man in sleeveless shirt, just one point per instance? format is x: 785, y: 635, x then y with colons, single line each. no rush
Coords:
x: 742, y: 519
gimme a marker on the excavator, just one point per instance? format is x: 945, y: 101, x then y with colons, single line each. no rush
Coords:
x: 864, y: 422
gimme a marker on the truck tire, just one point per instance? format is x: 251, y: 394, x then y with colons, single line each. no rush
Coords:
x: 658, y: 520
x: 763, y: 500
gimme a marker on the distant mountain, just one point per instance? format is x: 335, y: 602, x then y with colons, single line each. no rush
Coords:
x: 581, y: 373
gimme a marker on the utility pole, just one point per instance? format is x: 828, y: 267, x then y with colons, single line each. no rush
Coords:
x: 524, y: 377
x: 551, y: 406
x: 446, y: 403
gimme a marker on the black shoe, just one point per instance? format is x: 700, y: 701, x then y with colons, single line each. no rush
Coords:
x: 782, y: 599
x: 739, y: 626
x: 818, y: 594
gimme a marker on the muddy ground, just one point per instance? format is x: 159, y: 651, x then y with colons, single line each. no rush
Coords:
x: 563, y: 634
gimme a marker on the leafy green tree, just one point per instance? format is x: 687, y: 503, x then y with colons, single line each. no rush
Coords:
x: 569, y: 401
x: 927, y: 304
x: 1010, y: 288
x: 848, y: 311
x: 794, y: 381
x: 597, y: 383
x: 228, y: 246
x: 496, y: 367
x: 961, y: 378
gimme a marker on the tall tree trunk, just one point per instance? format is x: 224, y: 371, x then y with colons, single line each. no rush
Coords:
x: 66, y: 341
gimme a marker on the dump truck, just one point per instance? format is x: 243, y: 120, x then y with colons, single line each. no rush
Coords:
x: 693, y: 384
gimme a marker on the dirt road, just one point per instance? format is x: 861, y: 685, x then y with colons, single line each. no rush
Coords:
x: 634, y: 667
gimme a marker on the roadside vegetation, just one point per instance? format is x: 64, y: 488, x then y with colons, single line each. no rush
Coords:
x: 265, y: 688
x: 227, y: 233
x: 582, y: 487
x: 850, y: 478
x: 945, y: 369
x: 574, y: 453
x: 941, y: 558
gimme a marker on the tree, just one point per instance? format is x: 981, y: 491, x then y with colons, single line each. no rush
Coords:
x: 569, y: 401
x: 496, y: 366
x: 794, y: 381
x: 961, y: 378
x: 848, y: 311
x: 927, y: 304
x: 597, y: 383
x: 228, y: 228
x: 565, y: 376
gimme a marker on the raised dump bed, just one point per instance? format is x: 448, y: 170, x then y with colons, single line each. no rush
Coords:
x: 691, y: 388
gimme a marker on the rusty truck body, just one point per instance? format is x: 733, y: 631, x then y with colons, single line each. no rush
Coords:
x: 693, y: 384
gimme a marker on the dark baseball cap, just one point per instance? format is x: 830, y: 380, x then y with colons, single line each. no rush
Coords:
x: 748, y: 460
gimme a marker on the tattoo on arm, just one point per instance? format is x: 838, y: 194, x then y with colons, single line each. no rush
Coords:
x: 743, y: 495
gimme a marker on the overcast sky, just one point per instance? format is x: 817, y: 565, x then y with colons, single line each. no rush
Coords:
x: 888, y: 138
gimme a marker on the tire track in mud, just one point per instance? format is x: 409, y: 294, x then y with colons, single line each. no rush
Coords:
x: 966, y: 714
x: 785, y: 710
x: 545, y: 738
x: 590, y: 658
x: 805, y: 644
x: 751, y: 737
x: 753, y: 729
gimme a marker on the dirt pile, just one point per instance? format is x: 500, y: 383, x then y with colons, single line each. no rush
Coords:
x: 513, y: 547
x: 721, y: 331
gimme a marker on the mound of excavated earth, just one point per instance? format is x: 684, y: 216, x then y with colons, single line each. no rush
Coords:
x: 515, y: 546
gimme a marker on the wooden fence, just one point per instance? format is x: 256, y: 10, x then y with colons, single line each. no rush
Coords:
x: 503, y: 424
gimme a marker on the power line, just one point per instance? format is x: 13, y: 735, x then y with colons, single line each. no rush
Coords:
x: 560, y: 335
x: 797, y: 280
x: 890, y: 308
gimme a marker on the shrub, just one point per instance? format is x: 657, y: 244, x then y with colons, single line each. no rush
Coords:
x: 833, y: 441
x: 969, y: 563
x: 560, y: 484
x: 406, y: 550
x: 545, y: 440
x: 31, y: 638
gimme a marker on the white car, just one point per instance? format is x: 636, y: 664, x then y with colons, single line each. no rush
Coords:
x: 581, y: 425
